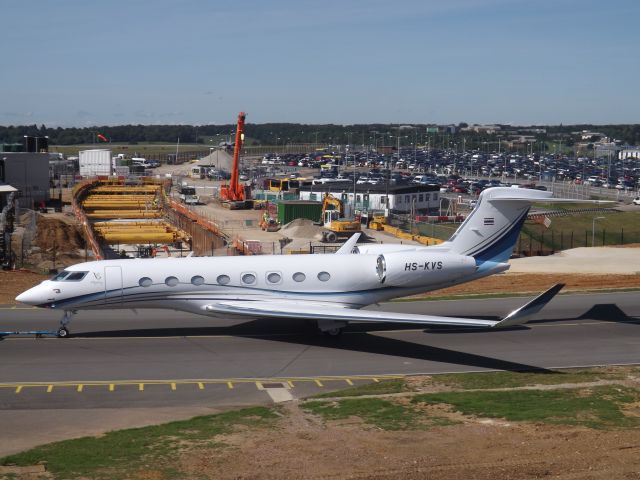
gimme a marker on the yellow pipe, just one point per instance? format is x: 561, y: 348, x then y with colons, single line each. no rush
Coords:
x: 116, y: 204
x: 131, y: 224
x: 116, y: 232
x: 123, y: 189
x: 140, y: 238
x: 119, y: 206
x: 124, y: 199
x: 123, y: 214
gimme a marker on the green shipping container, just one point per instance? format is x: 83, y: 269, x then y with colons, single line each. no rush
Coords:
x: 289, y: 210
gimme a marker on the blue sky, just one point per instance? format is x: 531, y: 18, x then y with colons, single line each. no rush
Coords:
x: 82, y: 62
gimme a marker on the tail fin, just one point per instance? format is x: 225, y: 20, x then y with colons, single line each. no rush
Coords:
x: 491, y: 230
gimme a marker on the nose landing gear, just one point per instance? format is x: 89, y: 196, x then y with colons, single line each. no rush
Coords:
x: 63, y: 332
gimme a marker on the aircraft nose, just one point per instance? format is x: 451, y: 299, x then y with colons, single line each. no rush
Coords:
x: 30, y: 297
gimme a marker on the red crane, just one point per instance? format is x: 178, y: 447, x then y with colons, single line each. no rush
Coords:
x: 233, y: 195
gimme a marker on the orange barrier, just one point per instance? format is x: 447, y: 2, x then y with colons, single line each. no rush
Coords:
x: 248, y: 247
x: 88, y: 231
x: 193, y: 216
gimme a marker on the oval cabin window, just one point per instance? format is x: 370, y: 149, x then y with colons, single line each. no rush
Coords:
x: 324, y: 276
x: 299, y: 277
x: 197, y: 280
x: 274, y: 277
x: 171, y: 281
x: 223, y: 279
x: 249, y: 278
x: 145, y: 282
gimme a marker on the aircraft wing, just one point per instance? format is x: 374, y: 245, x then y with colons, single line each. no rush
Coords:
x: 326, y: 312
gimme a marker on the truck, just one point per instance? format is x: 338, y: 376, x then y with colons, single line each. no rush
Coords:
x: 95, y: 162
x: 188, y: 195
x: 143, y: 162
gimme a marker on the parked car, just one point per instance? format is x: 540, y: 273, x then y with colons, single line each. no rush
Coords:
x: 636, y: 201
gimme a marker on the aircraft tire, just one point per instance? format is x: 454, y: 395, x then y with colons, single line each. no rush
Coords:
x: 331, y: 237
x: 63, y: 332
x: 333, y: 332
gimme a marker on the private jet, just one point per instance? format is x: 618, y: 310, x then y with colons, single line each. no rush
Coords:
x: 330, y: 289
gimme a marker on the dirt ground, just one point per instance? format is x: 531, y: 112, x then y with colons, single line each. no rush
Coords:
x: 538, y: 282
x: 304, y: 446
x: 15, y: 282
x: 43, y: 242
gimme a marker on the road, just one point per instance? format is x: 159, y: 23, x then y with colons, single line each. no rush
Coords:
x: 123, y: 368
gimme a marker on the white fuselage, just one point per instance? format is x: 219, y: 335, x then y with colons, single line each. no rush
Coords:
x: 190, y: 284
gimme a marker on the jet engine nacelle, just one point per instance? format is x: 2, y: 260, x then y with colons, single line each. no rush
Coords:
x: 416, y: 268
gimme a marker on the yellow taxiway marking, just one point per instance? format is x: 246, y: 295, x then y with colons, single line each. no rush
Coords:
x: 83, y: 385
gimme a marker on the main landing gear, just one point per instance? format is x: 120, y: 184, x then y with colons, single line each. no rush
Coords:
x: 331, y: 328
x: 63, y: 332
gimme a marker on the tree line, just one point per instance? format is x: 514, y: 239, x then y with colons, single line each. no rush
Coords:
x: 283, y: 133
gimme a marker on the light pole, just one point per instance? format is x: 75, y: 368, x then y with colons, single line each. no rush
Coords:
x: 593, y: 230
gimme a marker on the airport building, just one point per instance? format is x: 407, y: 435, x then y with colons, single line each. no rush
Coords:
x: 629, y: 152
x: 27, y: 172
x: 399, y: 199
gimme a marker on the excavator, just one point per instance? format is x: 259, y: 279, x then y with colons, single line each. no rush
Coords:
x: 233, y: 195
x: 333, y: 221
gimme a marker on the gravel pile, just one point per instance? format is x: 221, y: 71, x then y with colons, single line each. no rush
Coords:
x: 302, y: 228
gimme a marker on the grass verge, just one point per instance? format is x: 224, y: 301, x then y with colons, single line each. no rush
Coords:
x: 599, y: 407
x: 117, y: 454
x: 384, y: 414
x: 386, y: 387
x: 488, y: 380
x: 155, y: 452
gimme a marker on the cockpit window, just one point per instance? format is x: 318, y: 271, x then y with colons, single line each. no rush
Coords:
x: 59, y: 277
x: 75, y: 276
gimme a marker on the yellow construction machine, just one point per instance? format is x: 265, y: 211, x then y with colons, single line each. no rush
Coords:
x: 334, y: 221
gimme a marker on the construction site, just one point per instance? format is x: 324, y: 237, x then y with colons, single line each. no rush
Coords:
x: 175, y: 211
x: 229, y: 203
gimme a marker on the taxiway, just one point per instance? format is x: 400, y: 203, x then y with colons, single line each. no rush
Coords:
x: 155, y: 361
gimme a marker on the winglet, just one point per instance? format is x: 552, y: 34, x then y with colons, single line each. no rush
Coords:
x: 524, y: 313
x: 347, y: 246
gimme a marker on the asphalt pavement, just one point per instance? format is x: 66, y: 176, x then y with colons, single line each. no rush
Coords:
x: 125, y: 368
